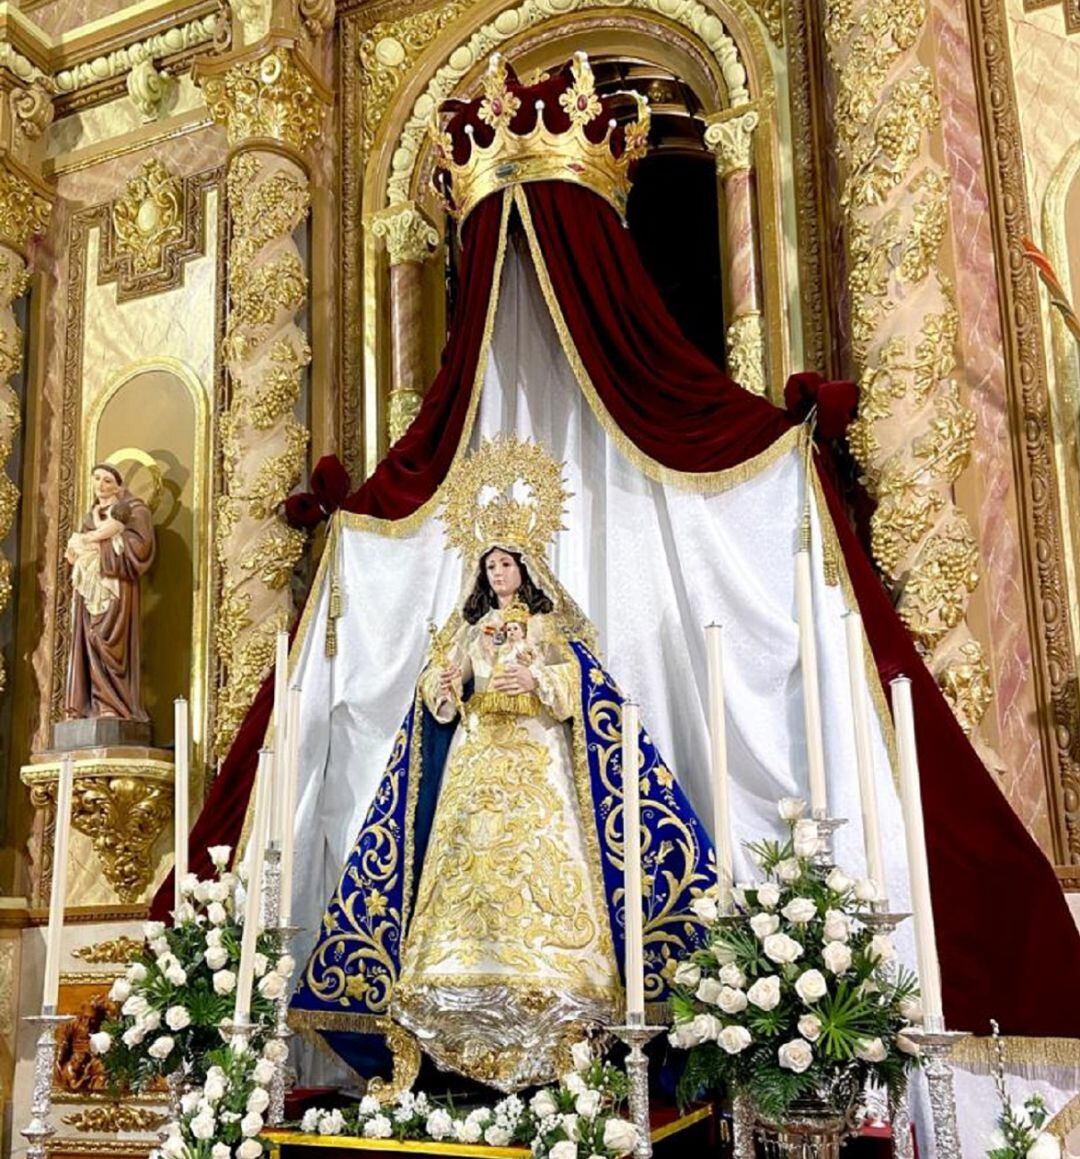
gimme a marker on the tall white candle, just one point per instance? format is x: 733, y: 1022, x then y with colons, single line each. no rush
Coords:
x: 281, y: 728
x: 58, y: 892
x: 292, y: 772
x: 181, y: 776
x: 815, y: 743
x: 714, y: 637
x: 635, y: 947
x: 918, y: 870
x: 253, y: 903
x: 864, y: 754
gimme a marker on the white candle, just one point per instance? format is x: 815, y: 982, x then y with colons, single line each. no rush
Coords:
x: 635, y: 948
x: 253, y: 903
x: 714, y: 637
x: 180, y: 796
x: 58, y: 893
x: 292, y: 772
x: 815, y: 744
x: 864, y: 754
x: 281, y: 727
x: 918, y: 870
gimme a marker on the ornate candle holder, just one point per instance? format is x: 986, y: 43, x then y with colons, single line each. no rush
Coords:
x: 39, y: 1130
x: 637, y: 1073
x: 827, y: 826
x: 742, y: 1127
x: 271, y: 887
x: 275, y: 1113
x: 937, y: 1045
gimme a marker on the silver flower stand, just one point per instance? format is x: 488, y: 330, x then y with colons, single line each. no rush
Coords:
x: 937, y: 1045
x: 637, y: 1074
x: 40, y: 1130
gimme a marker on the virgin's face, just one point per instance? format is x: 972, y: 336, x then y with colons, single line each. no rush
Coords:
x: 105, y: 485
x: 503, y: 573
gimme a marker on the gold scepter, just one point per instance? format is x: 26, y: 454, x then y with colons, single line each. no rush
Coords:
x: 440, y: 659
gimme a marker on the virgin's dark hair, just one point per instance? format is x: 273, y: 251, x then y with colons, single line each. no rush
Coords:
x: 482, y: 599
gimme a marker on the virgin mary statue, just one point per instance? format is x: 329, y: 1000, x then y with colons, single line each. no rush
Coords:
x: 481, y: 907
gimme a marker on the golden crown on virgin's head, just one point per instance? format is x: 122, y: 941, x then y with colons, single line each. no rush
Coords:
x: 558, y: 129
x: 509, y: 493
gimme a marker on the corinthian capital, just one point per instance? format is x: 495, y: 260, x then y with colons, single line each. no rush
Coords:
x: 408, y: 234
x: 732, y: 140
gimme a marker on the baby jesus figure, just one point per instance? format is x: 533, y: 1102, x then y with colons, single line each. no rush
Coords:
x: 84, y: 550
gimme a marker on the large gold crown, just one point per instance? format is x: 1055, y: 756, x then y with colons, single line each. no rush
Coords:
x: 556, y: 130
x: 509, y: 493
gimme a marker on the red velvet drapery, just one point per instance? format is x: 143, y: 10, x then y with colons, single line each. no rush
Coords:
x: 680, y: 410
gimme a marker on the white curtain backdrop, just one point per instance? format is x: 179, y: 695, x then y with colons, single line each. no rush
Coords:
x: 651, y: 565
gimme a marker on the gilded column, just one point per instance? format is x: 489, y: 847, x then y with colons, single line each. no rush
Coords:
x: 913, y: 435
x: 272, y: 107
x: 410, y: 240
x: 730, y: 135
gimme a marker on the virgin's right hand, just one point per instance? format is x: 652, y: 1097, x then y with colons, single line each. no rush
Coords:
x: 449, y: 680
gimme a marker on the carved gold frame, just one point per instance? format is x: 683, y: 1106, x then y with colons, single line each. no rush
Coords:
x: 639, y: 28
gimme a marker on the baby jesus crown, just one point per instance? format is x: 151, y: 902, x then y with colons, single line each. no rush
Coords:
x: 558, y: 129
x: 509, y: 493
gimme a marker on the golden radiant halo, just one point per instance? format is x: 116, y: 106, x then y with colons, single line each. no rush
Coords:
x: 484, y: 507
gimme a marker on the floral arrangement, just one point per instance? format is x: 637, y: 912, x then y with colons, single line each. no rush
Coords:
x: 1019, y: 1133
x: 181, y: 987
x: 581, y: 1117
x: 223, y: 1118
x: 795, y: 995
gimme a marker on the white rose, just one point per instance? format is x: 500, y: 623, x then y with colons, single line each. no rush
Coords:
x: 805, y: 838
x: 378, y: 1127
x: 810, y: 1027
x: 574, y: 1083
x: 184, y: 913
x: 790, y: 808
x: 497, y: 1136
x: 838, y: 881
x: 136, y: 972
x: 723, y: 954
x: 800, y: 910
x: 1046, y: 1146
x: 263, y: 1071
x: 587, y: 1104
x: 135, y: 1006
x: 706, y: 1027
x: 866, y: 890
x: 837, y: 957
x: 251, y: 1123
x: 262, y: 964
x: 173, y: 1147
x: 332, y: 1123
x: 176, y: 975
x: 214, y: 1088
x: 134, y: 1035
x: 202, y: 892
x: 161, y: 1047
x: 271, y: 986
x: 687, y: 974
x: 765, y: 993
x: 837, y: 927
x: 257, y: 1101
x: 731, y: 975
x: 911, y: 1010
x: 100, y: 1042
x: 768, y: 894
x: 369, y: 1105
x: 681, y: 1036
x: 543, y: 1104
x: 275, y: 1050
x: 582, y: 1055
x: 152, y: 930
x: 121, y: 990
x: 811, y: 986
x: 907, y: 1045
x: 219, y: 855
x: 177, y: 1017
x: 214, y: 936
x: 189, y: 883
x: 285, y: 965
x: 871, y: 1050
x: 564, y: 1149
x: 881, y: 948
x: 709, y: 991
x: 151, y: 1020
x: 216, y: 957
x: 734, y: 1039
x: 249, y: 1149
x: 203, y: 1125
x: 705, y: 907
x: 220, y: 1151
x: 570, y: 1126
x: 795, y: 1055
x: 158, y: 946
x: 764, y: 924
x: 439, y: 1125
x: 309, y: 1122
x: 215, y: 911
x: 781, y: 948
x: 619, y: 1136
x: 788, y: 870
x: 731, y: 1000
x: 224, y: 982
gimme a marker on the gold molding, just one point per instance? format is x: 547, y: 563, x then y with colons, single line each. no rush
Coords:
x: 114, y: 1117
x: 118, y: 950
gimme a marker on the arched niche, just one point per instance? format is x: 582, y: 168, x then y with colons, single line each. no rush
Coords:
x: 152, y: 423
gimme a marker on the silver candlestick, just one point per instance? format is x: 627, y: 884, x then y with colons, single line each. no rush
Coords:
x: 826, y: 826
x: 39, y: 1130
x: 637, y: 1074
x: 275, y: 1114
x: 271, y: 886
x: 742, y: 1127
x: 937, y: 1046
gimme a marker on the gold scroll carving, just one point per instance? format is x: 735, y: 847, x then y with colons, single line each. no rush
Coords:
x: 147, y: 216
x: 112, y: 1118
x: 118, y: 951
x: 913, y: 435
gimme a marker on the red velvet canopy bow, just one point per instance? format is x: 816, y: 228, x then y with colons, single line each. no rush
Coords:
x: 678, y: 408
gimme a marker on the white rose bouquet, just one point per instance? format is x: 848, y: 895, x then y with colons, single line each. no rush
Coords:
x: 795, y: 995
x: 223, y: 1118
x: 175, y: 995
x: 1019, y: 1132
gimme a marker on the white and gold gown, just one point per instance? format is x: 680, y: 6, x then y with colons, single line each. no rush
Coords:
x: 509, y: 951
